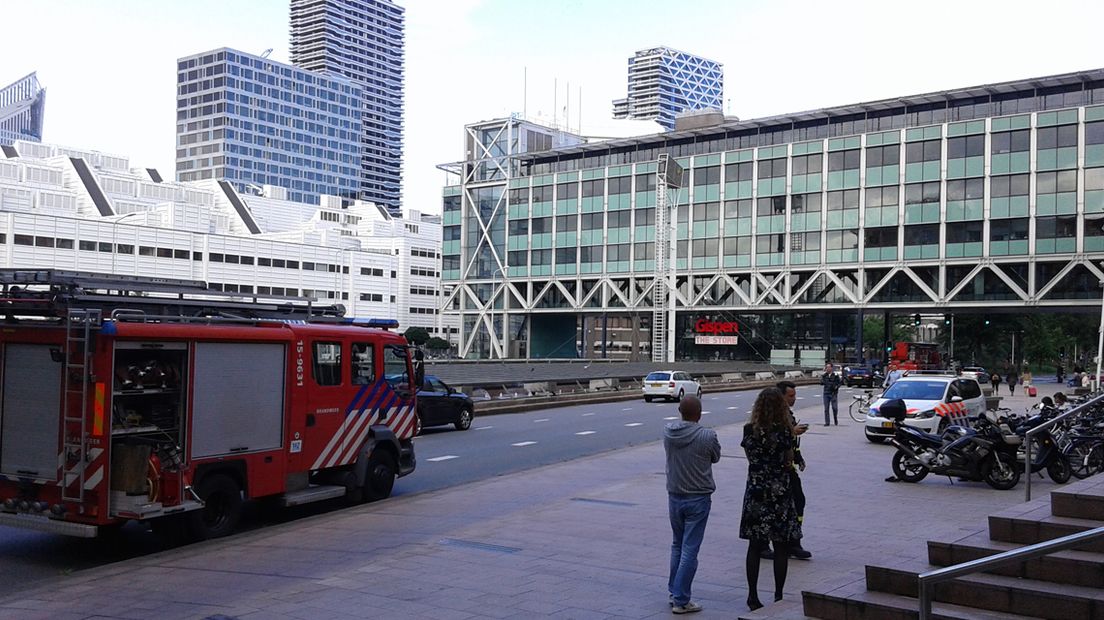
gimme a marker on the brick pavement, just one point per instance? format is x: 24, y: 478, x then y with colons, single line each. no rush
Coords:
x: 582, y: 539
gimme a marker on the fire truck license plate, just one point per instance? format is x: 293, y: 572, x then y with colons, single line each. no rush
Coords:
x: 887, y: 424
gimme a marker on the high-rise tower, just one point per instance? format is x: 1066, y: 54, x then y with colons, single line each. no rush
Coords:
x: 22, y: 104
x: 665, y: 82
x: 363, y: 41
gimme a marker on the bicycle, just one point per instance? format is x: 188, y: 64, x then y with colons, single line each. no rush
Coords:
x: 860, y: 406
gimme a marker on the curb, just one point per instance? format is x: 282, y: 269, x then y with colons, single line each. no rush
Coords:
x: 495, y: 407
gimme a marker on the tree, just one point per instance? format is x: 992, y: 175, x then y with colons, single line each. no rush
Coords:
x: 437, y: 344
x: 416, y: 335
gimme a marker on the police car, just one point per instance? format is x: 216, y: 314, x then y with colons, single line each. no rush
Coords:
x: 933, y: 402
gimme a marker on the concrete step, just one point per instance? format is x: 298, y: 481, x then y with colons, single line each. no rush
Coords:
x: 1037, y: 599
x: 1079, y: 568
x: 855, y: 602
x: 1082, y: 500
x: 1031, y: 524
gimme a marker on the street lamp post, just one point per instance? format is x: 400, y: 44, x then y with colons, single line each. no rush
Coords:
x: 1099, y: 347
x: 114, y: 230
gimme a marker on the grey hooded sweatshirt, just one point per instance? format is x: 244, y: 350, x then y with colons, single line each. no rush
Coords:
x: 691, y: 451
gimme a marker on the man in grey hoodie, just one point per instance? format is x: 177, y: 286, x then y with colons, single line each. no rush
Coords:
x: 691, y: 451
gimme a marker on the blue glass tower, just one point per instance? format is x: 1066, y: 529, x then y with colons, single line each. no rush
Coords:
x: 664, y: 83
x: 253, y: 122
x: 22, y: 104
x: 363, y: 41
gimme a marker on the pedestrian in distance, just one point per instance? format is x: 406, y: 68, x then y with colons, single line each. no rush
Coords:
x: 789, y: 391
x: 1060, y: 400
x: 1012, y: 379
x: 691, y: 451
x: 996, y: 381
x: 831, y: 382
x: 769, y: 515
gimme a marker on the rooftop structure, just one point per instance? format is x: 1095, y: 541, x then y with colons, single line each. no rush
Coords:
x: 73, y: 210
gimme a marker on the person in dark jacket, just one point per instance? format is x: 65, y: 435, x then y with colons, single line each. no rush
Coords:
x: 691, y: 450
x: 1012, y: 379
x: 831, y: 382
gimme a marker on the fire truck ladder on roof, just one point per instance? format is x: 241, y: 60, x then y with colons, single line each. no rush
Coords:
x: 76, y: 378
x: 50, y: 293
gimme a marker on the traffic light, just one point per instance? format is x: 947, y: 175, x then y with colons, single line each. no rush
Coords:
x: 916, y: 320
x: 947, y: 321
x: 888, y: 346
x: 986, y: 321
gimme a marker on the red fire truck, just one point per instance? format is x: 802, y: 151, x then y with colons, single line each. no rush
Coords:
x: 915, y: 356
x: 161, y: 401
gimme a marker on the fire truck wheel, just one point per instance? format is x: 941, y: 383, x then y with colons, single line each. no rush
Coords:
x: 417, y: 424
x: 380, y: 478
x: 464, y: 423
x: 222, y: 508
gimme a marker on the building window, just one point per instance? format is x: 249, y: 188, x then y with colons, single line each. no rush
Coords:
x: 965, y: 146
x: 809, y: 164
x: 926, y: 150
x: 1008, y: 230
x: 925, y: 234
x: 702, y: 176
x: 1010, y: 141
x: 846, y: 199
x: 772, y: 168
x: 735, y: 173
x: 965, y: 232
x: 1059, y: 227
x: 844, y: 160
x: 885, y: 237
x: 883, y: 155
x: 968, y: 189
x: 774, y: 205
x: 1056, y: 137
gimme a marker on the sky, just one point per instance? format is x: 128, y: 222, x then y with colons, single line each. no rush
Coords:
x: 109, y: 66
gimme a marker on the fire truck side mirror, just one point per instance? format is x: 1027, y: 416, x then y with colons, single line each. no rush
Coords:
x: 419, y: 369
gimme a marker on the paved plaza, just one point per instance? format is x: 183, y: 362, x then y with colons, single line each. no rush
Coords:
x: 587, y: 538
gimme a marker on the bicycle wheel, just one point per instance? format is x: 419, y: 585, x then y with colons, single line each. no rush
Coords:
x: 1086, y: 459
x: 857, y: 410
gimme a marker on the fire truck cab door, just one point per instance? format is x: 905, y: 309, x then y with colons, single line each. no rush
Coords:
x: 323, y: 435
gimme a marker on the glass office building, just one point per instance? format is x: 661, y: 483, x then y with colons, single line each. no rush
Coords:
x: 665, y: 82
x: 363, y: 41
x: 981, y: 199
x: 254, y: 122
x: 22, y: 106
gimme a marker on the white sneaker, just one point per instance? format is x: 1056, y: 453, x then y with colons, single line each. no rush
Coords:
x: 689, y: 608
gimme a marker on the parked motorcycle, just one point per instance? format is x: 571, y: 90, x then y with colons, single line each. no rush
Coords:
x: 1048, y: 456
x: 970, y: 453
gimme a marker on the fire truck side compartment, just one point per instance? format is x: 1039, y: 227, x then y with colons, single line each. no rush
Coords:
x: 241, y: 404
x: 29, y: 433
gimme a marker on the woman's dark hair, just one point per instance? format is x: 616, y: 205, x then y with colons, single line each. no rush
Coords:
x: 770, y: 410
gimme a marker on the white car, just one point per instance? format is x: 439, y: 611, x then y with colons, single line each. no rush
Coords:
x: 933, y: 403
x: 670, y: 384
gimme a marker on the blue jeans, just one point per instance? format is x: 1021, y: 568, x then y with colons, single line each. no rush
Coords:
x: 688, y: 516
x: 833, y: 400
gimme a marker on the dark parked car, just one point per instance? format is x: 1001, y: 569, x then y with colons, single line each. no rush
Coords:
x: 858, y: 375
x: 440, y: 404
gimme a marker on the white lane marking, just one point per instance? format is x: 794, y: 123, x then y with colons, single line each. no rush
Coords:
x: 800, y: 398
x: 586, y: 432
x: 627, y: 409
x: 706, y: 412
x: 732, y: 408
x: 540, y: 420
x: 674, y: 417
x: 635, y: 424
x: 483, y: 428
x: 523, y: 443
x: 447, y: 457
x: 587, y: 414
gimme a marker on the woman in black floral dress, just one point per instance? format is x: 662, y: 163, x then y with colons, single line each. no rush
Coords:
x: 769, y: 514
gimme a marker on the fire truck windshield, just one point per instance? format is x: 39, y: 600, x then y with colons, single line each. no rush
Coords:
x: 395, y: 369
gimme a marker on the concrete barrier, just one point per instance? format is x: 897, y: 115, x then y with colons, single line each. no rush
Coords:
x: 794, y: 374
x: 604, y: 384
x: 541, y: 388
x: 764, y: 376
x: 732, y: 377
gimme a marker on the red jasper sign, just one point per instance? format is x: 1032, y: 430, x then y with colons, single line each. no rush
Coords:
x: 705, y: 326
x: 708, y: 332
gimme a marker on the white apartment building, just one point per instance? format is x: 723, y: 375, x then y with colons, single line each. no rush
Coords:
x: 63, y: 208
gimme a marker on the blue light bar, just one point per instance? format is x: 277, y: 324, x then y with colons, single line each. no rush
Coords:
x: 375, y: 323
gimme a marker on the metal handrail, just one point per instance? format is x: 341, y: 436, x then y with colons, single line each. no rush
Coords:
x: 1078, y: 410
x: 927, y: 581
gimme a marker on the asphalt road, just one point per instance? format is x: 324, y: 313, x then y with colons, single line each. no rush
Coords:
x: 494, y: 446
